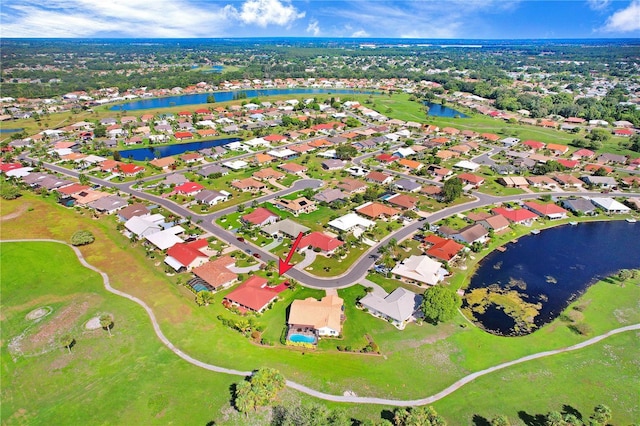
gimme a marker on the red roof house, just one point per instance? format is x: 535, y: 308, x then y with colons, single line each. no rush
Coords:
x: 183, y: 135
x: 260, y: 217
x: 569, y: 164
x: 254, y: 294
x: 129, y: 169
x: 520, y: 216
x: 319, y: 240
x: 188, y: 188
x: 386, y: 158
x: 442, y: 248
x: 471, y: 179
x: 216, y: 273
x: 187, y: 255
x: 550, y: 211
x: 534, y: 145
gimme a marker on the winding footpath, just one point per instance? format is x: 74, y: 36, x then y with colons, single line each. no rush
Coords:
x: 309, y: 391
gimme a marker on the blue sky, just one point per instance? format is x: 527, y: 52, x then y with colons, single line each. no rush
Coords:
x: 490, y: 19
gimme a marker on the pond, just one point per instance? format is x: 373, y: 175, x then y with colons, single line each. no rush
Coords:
x: 535, y: 279
x: 10, y: 130
x: 149, y: 153
x: 439, y: 110
x: 201, y: 98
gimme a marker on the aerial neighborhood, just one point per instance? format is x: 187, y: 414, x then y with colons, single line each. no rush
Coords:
x: 344, y: 219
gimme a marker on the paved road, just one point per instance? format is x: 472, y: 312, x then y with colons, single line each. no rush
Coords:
x: 366, y: 261
x: 329, y: 397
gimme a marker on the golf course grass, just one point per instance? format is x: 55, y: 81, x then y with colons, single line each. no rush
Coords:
x: 95, y: 383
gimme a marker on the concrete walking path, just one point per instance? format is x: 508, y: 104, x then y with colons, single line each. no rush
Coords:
x: 312, y: 392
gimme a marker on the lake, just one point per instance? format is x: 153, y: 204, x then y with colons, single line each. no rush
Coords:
x: 439, y: 110
x: 201, y: 98
x: 149, y: 153
x: 552, y: 269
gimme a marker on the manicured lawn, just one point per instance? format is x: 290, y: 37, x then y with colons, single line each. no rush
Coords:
x: 416, y: 362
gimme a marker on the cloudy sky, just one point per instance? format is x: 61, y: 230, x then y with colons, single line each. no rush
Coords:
x: 489, y: 19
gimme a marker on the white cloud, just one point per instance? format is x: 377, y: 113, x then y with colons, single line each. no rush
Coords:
x: 266, y: 12
x: 625, y: 20
x: 314, y: 27
x: 598, y: 4
x: 360, y: 34
x: 138, y: 18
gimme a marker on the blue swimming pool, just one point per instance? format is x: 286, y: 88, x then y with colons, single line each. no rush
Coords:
x: 301, y: 338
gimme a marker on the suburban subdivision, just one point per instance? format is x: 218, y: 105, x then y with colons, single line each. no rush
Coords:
x: 438, y: 242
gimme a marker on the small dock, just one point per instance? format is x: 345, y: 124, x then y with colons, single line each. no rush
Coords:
x: 501, y: 249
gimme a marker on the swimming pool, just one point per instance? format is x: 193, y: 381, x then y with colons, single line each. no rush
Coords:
x: 301, y: 338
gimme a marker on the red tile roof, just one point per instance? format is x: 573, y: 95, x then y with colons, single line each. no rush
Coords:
x: 569, y: 164
x: 188, y: 188
x: 443, y: 248
x: 183, y: 135
x: 545, y: 209
x: 377, y: 176
x: 73, y: 189
x: 386, y: 158
x: 534, y: 144
x: 130, y: 169
x: 185, y: 253
x: 321, y: 241
x: 254, y: 294
x: 471, y: 178
x: 259, y: 216
x: 6, y: 167
x: 375, y: 210
x: 516, y: 215
x: 215, y: 273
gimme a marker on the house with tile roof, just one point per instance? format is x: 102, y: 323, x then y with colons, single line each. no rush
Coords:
x: 215, y: 274
x: 375, y: 210
x: 398, y: 307
x: 268, y: 173
x: 318, y: 240
x: 550, y: 211
x: 379, y: 178
x: 188, y: 188
x: 495, y: 222
x: 352, y: 186
x: 300, y: 205
x: 403, y: 201
x: 253, y: 295
x: 324, y: 316
x: 518, y: 216
x: 248, y: 185
x: 260, y: 217
x: 293, y: 168
x: 420, y: 269
x: 442, y: 249
x: 187, y: 255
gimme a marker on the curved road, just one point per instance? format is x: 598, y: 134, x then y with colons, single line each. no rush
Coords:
x: 321, y: 395
x: 360, y: 268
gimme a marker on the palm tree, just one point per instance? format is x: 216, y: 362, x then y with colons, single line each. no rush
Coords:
x: 106, y: 322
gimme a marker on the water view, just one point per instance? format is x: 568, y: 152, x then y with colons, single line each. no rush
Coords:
x: 10, y: 130
x: 532, y: 282
x: 201, y: 98
x: 439, y: 110
x: 149, y: 153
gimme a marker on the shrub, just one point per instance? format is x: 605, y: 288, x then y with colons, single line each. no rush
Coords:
x: 9, y: 192
x: 82, y: 237
x: 581, y: 328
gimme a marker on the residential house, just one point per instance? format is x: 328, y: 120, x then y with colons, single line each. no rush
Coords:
x: 550, y: 211
x: 330, y: 195
x: 568, y: 181
x: 407, y: 185
x: 323, y: 316
x: 260, y: 217
x: 296, y: 207
x: 253, y: 295
x: 420, y: 269
x: 442, y: 249
x: 352, y: 186
x: 542, y: 181
x: 188, y: 188
x: 375, y: 210
x: 135, y: 209
x: 108, y: 205
x: 379, y: 178
x: 605, y: 182
x: 165, y: 238
x: 215, y: 275
x: 248, y: 185
x: 213, y: 169
x: 513, y: 181
x: 410, y: 165
x: 471, y: 234
x: 398, y: 307
x: 163, y: 163
x: 557, y: 149
x: 612, y: 158
x: 496, y: 222
x: 333, y: 164
x: 579, y: 206
x: 211, y: 197
x: 267, y: 174
x: 534, y: 145
x: 610, y: 206
x: 187, y: 255
x: 294, y: 168
x: 192, y: 158
x: 129, y: 169
x: 518, y: 216
x: 351, y: 222
x: 286, y: 227
x: 471, y: 179
x: 318, y: 240
x: 403, y: 201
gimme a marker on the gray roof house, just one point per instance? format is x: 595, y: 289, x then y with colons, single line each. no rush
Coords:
x: 398, y: 306
x: 601, y: 181
x: 579, y: 205
x: 110, y: 204
x: 210, y: 197
x: 407, y: 185
x: 287, y: 227
x: 212, y: 169
x: 330, y: 195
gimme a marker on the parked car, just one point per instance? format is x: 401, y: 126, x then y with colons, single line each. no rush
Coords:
x: 256, y: 255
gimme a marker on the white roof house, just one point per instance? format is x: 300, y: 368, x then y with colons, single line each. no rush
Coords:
x: 167, y: 238
x: 350, y: 222
x: 610, y: 205
x: 143, y: 226
x: 236, y: 165
x: 467, y: 165
x: 282, y: 153
x: 258, y: 142
x: 404, y: 152
x: 421, y: 269
x: 398, y: 306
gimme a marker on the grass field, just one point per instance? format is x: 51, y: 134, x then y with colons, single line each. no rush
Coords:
x: 417, y: 362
